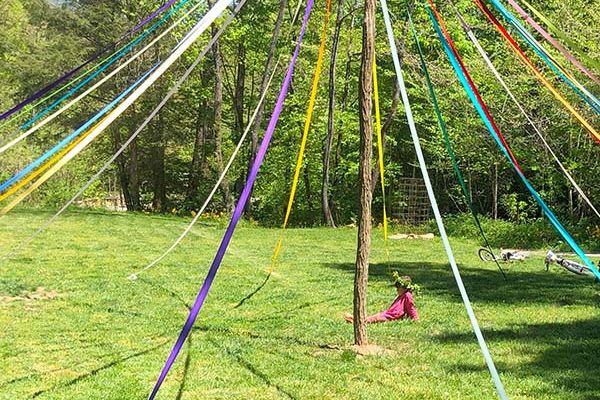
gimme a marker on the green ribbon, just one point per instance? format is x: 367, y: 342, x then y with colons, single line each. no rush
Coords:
x: 564, y: 37
x: 447, y: 142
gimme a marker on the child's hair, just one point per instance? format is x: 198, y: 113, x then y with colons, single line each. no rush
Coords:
x: 404, y: 281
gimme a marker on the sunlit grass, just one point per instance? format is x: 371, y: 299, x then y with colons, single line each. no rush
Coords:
x: 106, y: 337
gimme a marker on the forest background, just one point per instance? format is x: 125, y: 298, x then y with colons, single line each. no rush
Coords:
x: 174, y: 163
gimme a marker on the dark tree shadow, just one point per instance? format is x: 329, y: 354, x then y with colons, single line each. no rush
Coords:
x: 237, y: 356
x: 289, y: 340
x: 570, y: 362
x: 59, y: 369
x: 157, y: 286
x: 186, y: 368
x: 99, y: 369
x: 525, y: 283
x: 188, y: 354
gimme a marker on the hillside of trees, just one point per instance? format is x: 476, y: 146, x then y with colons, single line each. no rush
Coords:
x: 174, y: 163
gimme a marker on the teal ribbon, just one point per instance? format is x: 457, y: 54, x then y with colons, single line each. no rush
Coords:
x: 449, y: 149
x: 471, y: 92
x: 588, y: 97
x: 103, y: 68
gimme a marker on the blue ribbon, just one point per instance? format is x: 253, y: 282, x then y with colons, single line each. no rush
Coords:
x: 526, y: 35
x: 472, y: 96
x: 25, y: 171
x: 108, y: 63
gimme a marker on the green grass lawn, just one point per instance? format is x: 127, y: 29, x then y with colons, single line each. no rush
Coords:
x: 101, y: 336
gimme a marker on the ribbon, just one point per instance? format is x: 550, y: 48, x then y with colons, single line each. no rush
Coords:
x: 553, y: 41
x: 51, y: 156
x: 174, y: 88
x: 565, y: 38
x: 449, y: 149
x: 107, y: 63
x: 515, y: 47
x: 379, y: 145
x: 464, y: 77
x: 549, y: 59
x: 237, y: 213
x: 434, y: 206
x: 179, y: 49
x: 472, y: 85
x: 97, y: 84
x: 307, y: 122
x: 499, y: 78
x: 70, y: 73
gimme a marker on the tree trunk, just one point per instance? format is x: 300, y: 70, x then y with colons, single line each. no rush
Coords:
x: 238, y: 100
x: 365, y: 194
x: 134, y: 180
x: 238, y: 106
x: 386, y: 127
x: 122, y: 168
x: 330, y: 119
x: 343, y: 105
x: 218, y: 110
x: 198, y: 155
x: 158, y: 166
x: 263, y: 85
x: 308, y: 191
x: 495, y: 194
x: 387, y: 124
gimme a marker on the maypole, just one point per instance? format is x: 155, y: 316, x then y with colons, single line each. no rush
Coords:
x: 361, y: 273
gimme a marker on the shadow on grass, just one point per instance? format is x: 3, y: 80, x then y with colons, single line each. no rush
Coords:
x: 247, y: 334
x: 251, y: 294
x: 157, y: 286
x: 524, y: 283
x: 237, y: 356
x: 99, y: 369
x: 188, y: 354
x: 569, y: 359
x: 566, y: 354
x: 186, y: 368
x: 53, y: 370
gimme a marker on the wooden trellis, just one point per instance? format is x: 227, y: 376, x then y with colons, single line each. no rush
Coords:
x: 409, y: 202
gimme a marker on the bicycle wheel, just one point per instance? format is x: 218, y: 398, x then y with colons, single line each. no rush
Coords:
x: 486, y: 255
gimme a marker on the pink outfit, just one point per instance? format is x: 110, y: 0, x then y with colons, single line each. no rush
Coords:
x: 402, y: 306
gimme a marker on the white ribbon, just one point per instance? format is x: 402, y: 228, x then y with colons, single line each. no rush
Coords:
x: 195, y: 32
x: 160, y: 105
x: 96, y: 85
x: 436, y: 211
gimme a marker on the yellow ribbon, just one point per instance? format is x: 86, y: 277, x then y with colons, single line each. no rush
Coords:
x: 41, y: 168
x: 307, y: 121
x: 516, y: 49
x: 56, y: 162
x: 379, y: 144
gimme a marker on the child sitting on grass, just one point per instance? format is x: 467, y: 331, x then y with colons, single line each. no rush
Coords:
x: 403, y: 306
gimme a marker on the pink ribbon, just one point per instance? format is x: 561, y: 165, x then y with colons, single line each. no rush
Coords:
x: 553, y: 41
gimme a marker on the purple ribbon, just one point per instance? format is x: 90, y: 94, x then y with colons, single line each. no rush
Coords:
x: 149, y: 18
x: 237, y: 213
x: 93, y: 57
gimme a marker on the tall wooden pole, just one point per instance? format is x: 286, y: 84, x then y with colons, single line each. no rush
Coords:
x: 361, y: 274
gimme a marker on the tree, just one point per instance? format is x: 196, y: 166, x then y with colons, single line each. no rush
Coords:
x: 218, y: 111
x: 326, y: 209
x: 265, y: 80
x: 361, y: 274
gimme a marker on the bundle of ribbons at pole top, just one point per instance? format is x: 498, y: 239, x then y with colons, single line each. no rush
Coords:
x: 51, y: 101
